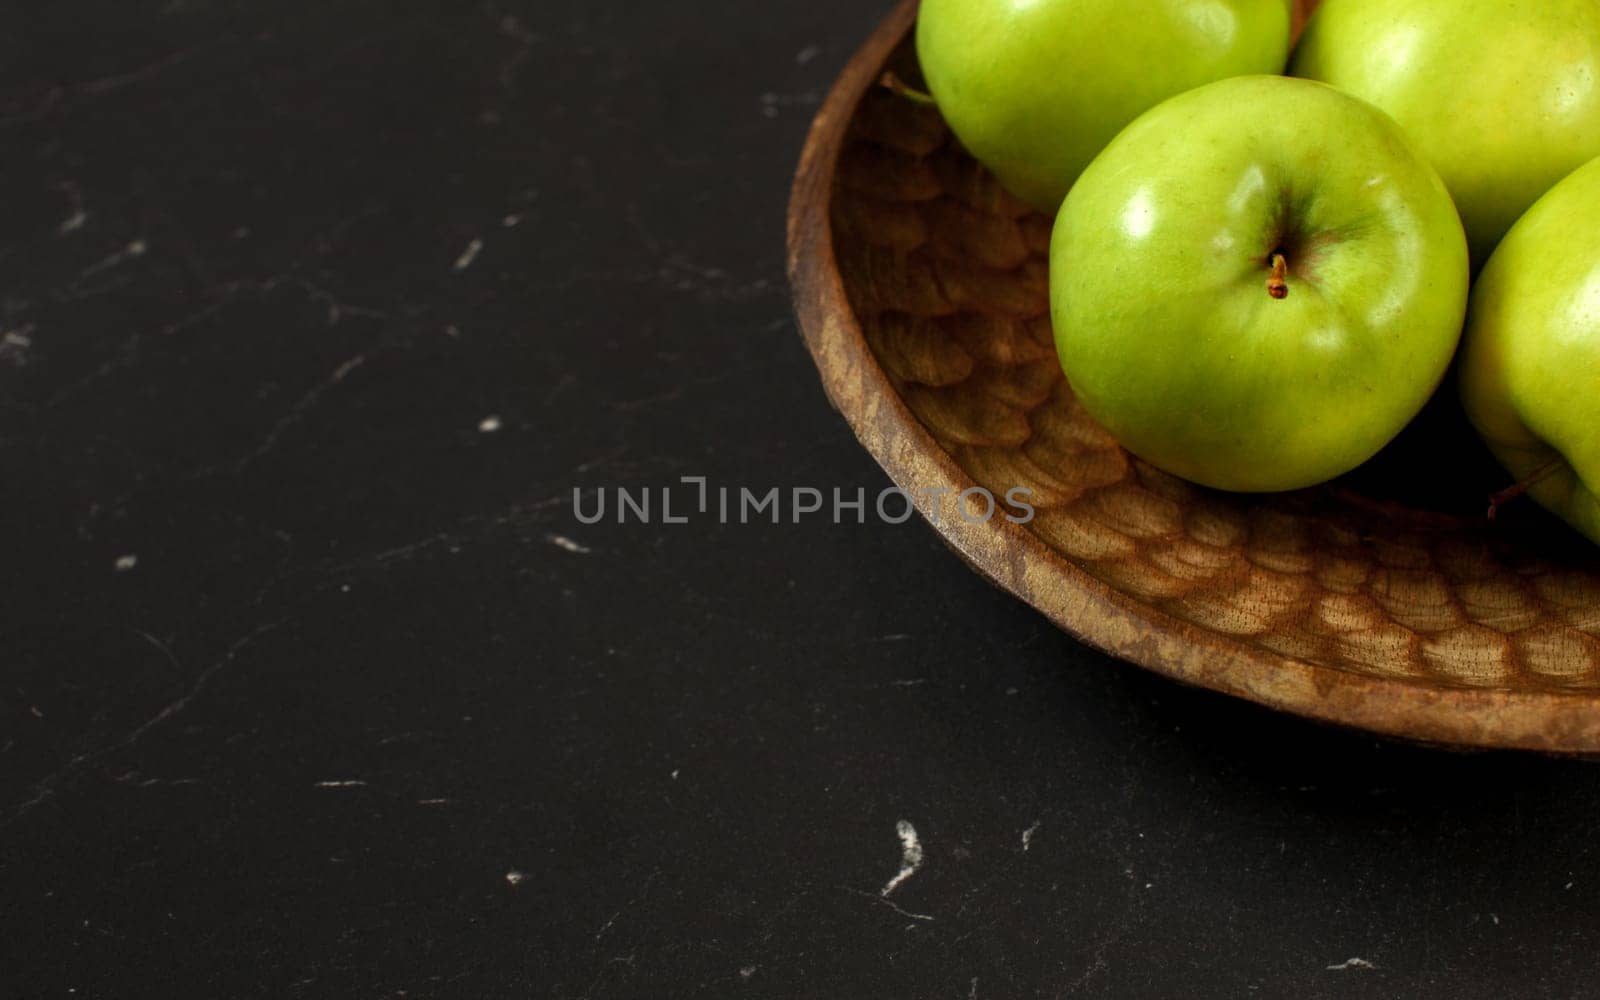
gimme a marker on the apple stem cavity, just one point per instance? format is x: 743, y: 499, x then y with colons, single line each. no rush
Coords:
x: 1510, y: 493
x: 900, y: 88
x: 1278, y: 281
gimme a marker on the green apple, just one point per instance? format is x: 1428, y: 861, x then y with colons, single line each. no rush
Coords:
x: 1531, y: 358
x: 1502, y: 96
x: 1258, y: 284
x: 1035, y: 88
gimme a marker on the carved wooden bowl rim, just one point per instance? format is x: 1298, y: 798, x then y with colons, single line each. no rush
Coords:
x: 1019, y: 561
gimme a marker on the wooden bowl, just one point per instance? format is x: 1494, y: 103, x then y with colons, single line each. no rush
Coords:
x: 1386, y: 600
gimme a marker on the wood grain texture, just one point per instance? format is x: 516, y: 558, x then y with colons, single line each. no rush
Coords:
x: 921, y: 288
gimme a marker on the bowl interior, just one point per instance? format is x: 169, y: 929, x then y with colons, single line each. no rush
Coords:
x: 1392, y: 572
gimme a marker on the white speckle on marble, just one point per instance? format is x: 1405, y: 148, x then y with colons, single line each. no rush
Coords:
x: 807, y: 54
x: 488, y: 425
x: 77, y: 215
x: 748, y: 971
x: 674, y: 774
x: 125, y: 563
x: 469, y: 255
x: 514, y: 878
x: 1351, y: 963
x: 910, y: 856
x: 136, y: 248
x: 14, y: 344
x: 342, y: 783
x: 1027, y: 835
x: 511, y: 221
x: 563, y: 542
x: 432, y: 802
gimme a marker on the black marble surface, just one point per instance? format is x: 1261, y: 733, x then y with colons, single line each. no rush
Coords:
x: 312, y: 316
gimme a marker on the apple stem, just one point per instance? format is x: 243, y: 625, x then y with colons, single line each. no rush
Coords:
x: 1278, y: 283
x: 900, y: 88
x: 1510, y: 493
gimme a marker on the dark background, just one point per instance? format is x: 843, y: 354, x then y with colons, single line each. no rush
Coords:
x: 301, y: 693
